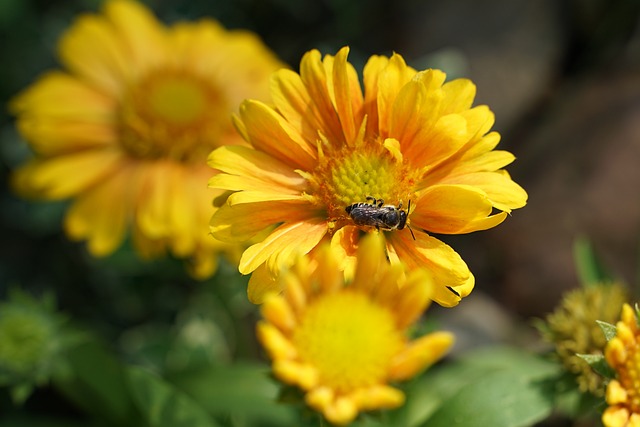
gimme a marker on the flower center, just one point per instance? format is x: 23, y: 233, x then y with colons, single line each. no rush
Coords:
x: 349, y: 339
x: 348, y: 177
x: 172, y: 114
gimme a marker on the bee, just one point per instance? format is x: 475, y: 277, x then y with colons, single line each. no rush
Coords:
x: 377, y: 214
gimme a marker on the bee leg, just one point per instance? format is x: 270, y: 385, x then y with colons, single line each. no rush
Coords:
x: 380, y: 203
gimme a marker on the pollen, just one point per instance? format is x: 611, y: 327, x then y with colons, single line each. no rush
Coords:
x: 332, y: 330
x: 349, y: 177
x: 172, y: 114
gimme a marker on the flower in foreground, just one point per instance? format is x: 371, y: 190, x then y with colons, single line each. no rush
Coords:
x: 126, y: 128
x: 573, y: 329
x: 623, y: 355
x: 325, y: 145
x: 343, y: 342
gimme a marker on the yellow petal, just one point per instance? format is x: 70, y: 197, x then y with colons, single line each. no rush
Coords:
x: 314, y: 77
x: 262, y: 283
x: 153, y: 207
x: 282, y: 244
x: 348, y: 95
x: 275, y: 342
x: 296, y: 373
x: 420, y: 354
x: 379, y: 396
x: 101, y: 215
x: 92, y: 49
x: 390, y: 81
x: 458, y: 95
x: 445, y: 265
x: 276, y: 310
x: 270, y: 133
x: 341, y: 411
x: 615, y: 416
x: 241, y: 222
x: 503, y: 192
x: 371, y: 75
x: 140, y: 31
x: 68, y: 175
x: 256, y: 166
x: 454, y: 209
x: 414, y: 298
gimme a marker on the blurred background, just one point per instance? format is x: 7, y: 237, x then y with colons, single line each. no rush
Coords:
x: 562, y: 76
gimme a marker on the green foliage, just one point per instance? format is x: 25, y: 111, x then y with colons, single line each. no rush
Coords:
x: 162, y: 405
x: 589, y: 268
x: 496, y: 386
x: 608, y: 329
x: 599, y: 364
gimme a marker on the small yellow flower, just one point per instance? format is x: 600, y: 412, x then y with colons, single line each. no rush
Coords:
x: 343, y: 342
x: 125, y: 130
x: 623, y: 355
x: 410, y: 141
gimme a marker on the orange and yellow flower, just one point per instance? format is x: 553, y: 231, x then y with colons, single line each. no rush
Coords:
x: 324, y: 145
x: 342, y: 342
x: 623, y: 355
x: 126, y: 128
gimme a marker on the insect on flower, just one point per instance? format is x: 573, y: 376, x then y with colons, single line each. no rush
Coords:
x: 377, y: 214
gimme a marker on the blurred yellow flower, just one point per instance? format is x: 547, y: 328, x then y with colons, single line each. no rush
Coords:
x: 623, y: 355
x: 573, y: 329
x: 343, y: 342
x: 410, y: 141
x: 126, y: 129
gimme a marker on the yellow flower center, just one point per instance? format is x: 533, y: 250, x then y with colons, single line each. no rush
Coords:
x: 351, y: 175
x: 172, y: 114
x: 349, y: 339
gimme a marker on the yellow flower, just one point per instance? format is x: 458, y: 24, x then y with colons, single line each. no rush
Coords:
x: 342, y: 343
x: 623, y: 355
x: 325, y: 145
x: 126, y: 129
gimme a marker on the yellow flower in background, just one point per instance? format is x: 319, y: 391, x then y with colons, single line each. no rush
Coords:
x: 410, y: 140
x: 623, y: 355
x: 125, y: 130
x: 573, y: 329
x: 343, y: 342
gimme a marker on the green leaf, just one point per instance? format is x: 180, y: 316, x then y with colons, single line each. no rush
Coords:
x: 590, y: 270
x: 96, y: 382
x: 599, y: 364
x: 162, y: 405
x: 497, y: 387
x: 609, y: 330
x: 242, y: 390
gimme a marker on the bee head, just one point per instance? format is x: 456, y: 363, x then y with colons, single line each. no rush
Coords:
x: 402, y: 220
